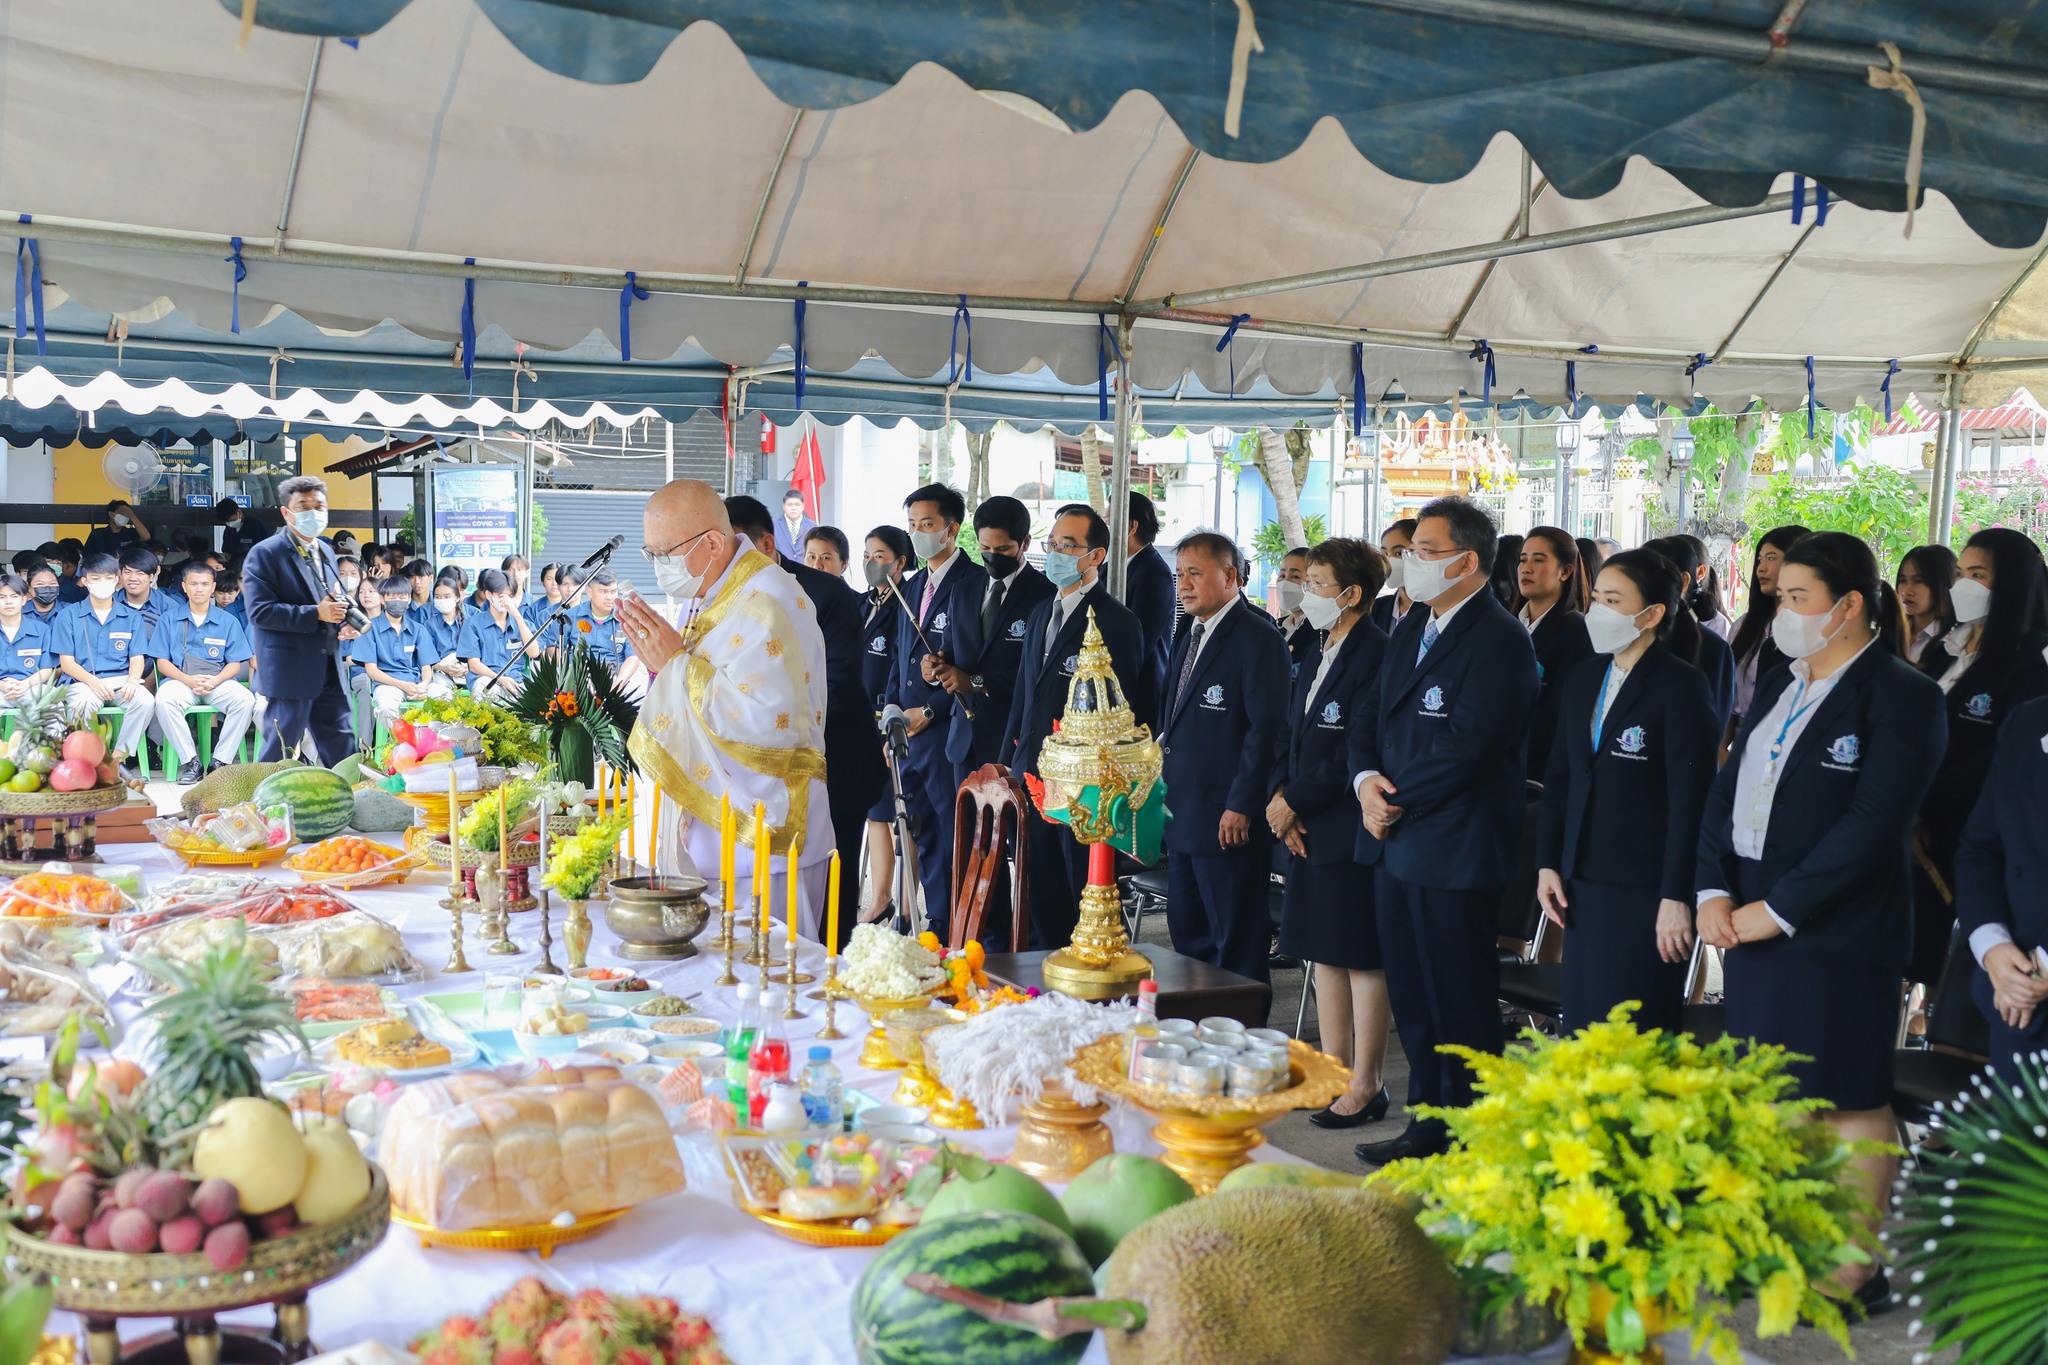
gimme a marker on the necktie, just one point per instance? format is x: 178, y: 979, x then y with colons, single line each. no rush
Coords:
x: 990, y: 608
x: 1429, y: 634
x: 1053, y: 627
x: 931, y: 590
x: 1187, y: 666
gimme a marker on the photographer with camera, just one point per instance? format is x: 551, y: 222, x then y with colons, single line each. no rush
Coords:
x: 299, y: 617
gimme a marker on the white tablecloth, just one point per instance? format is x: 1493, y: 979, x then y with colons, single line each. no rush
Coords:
x: 774, y: 1301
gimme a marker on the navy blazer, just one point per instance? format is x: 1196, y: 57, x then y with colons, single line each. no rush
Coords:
x: 2002, y: 866
x: 1383, y: 612
x: 1631, y: 815
x: 1304, y: 651
x: 1717, y: 665
x: 958, y: 597
x: 853, y: 751
x: 995, y: 661
x: 1837, y: 859
x: 1451, y: 733
x: 1311, y: 768
x: 1041, y: 696
x: 1220, y: 733
x: 1561, y: 645
x: 296, y: 652
x: 1977, y: 705
x: 1148, y: 591
x: 879, y: 621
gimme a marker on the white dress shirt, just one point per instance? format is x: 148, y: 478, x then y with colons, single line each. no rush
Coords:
x: 1779, y: 729
x: 1209, y: 630
x: 1617, y: 677
x: 1922, y: 638
x: 1330, y: 651
x: 1957, y: 643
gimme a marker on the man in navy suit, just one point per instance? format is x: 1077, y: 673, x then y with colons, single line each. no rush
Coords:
x: 988, y: 645
x: 1075, y: 551
x: 949, y: 588
x: 1148, y: 590
x: 794, y: 526
x: 1437, y: 759
x: 296, y: 628
x: 1221, y: 721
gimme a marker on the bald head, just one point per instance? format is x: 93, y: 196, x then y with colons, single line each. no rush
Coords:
x: 677, y: 520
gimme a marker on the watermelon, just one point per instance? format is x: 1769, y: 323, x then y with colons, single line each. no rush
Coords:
x: 1016, y: 1257
x: 320, y: 801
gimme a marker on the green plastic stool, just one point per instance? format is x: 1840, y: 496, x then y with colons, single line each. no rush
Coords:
x: 203, y: 718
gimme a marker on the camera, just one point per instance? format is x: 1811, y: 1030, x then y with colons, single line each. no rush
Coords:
x: 355, y: 617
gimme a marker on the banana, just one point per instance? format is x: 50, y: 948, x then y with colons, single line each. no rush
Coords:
x: 24, y: 1309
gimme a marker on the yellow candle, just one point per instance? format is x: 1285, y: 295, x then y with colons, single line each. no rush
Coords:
x: 728, y: 835
x: 832, y: 906
x: 761, y: 862
x: 504, y: 839
x: 629, y: 812
x: 654, y: 835
x: 789, y: 872
x: 454, y: 842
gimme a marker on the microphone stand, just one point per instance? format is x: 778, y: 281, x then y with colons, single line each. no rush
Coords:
x: 560, y: 615
x: 896, y: 750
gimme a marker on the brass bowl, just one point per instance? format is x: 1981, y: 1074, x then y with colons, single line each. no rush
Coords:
x: 1206, y: 1137
x: 113, y: 1284
x: 656, y: 917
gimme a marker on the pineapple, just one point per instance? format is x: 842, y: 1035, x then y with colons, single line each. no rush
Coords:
x: 45, y: 719
x: 217, y: 1013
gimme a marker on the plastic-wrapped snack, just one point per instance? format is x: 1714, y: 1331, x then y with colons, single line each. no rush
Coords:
x: 37, y: 995
x: 187, y: 938
x: 516, y: 1147
x: 208, y: 893
x: 356, y: 945
x: 70, y: 897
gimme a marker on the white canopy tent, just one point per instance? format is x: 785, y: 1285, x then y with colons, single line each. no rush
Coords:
x: 368, y: 184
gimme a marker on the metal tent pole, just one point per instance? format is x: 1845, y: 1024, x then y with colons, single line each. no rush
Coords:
x: 1941, y: 505
x: 1120, y: 468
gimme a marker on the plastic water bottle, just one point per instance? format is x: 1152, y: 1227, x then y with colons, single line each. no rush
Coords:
x: 739, y: 1045
x: 768, y: 1062
x: 822, y: 1093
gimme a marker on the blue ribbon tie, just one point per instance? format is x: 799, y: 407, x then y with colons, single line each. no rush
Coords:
x: 1105, y: 347
x: 1820, y: 201
x: 1481, y: 351
x: 800, y: 349
x: 28, y: 275
x: 1571, y: 389
x: 1891, y: 368
x: 469, y: 330
x: 631, y: 291
x: 1809, y: 398
x: 234, y: 258
x: 1229, y: 336
x: 1699, y: 361
x: 960, y: 316
x: 1358, y: 389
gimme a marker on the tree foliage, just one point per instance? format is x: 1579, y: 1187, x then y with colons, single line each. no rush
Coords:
x: 1879, y: 504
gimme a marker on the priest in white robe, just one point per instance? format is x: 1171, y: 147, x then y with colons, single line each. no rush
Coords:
x: 735, y: 702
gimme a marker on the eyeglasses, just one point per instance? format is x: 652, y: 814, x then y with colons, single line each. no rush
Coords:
x: 1419, y: 553
x: 650, y: 554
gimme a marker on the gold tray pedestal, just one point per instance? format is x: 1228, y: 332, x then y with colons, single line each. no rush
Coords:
x: 875, y: 1053
x: 544, y: 1238
x: 1060, y: 1138
x: 73, y: 817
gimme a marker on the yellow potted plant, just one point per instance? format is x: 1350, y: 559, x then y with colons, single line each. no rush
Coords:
x: 1638, y: 1182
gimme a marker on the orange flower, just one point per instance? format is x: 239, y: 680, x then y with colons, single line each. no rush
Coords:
x: 565, y: 704
x: 583, y: 624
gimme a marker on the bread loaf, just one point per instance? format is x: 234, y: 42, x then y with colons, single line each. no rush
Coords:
x: 514, y: 1149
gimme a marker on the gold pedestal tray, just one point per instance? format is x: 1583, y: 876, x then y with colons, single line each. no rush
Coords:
x: 436, y: 851
x: 875, y: 1053
x: 1206, y: 1137
x: 195, y: 856
x: 838, y: 1232
x: 543, y: 1238
x: 1059, y: 1138
x: 948, y: 1110
x: 433, y: 809
x: 905, y: 1030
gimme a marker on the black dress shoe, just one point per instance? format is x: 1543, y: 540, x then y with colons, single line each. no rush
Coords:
x: 1409, y: 1143
x: 1874, y: 1295
x: 1372, y: 1112
x: 1278, y: 961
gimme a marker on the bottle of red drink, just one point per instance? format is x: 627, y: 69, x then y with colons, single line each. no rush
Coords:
x: 768, y: 1062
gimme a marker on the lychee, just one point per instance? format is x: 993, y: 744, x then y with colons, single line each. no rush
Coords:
x: 163, y: 1196
x: 216, y: 1202
x: 132, y: 1232
x: 227, y: 1246
x: 182, y: 1235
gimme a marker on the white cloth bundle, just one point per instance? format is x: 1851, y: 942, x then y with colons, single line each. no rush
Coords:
x: 1005, y: 1055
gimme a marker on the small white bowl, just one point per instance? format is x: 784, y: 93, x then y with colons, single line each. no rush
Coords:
x: 686, y: 1050
x: 644, y: 1073
x: 622, y: 1054
x: 890, y: 1116
x: 638, y: 1037
x: 602, y: 1015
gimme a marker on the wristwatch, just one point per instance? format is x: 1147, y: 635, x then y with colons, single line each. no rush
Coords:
x: 977, y: 683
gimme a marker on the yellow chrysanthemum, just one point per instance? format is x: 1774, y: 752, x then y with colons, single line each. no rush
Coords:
x: 1778, y: 1303
x: 1587, y: 1214
x: 1722, y: 1181
x: 1574, y: 1158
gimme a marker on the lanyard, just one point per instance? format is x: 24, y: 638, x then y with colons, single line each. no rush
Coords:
x: 1600, y: 706
x: 1791, y: 718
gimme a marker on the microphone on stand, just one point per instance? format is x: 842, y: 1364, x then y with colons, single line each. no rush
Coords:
x: 896, y: 726
x: 603, y: 554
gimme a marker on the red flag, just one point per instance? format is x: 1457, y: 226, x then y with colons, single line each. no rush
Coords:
x: 809, y: 474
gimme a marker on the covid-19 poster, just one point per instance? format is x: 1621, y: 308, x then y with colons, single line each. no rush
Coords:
x: 476, y: 517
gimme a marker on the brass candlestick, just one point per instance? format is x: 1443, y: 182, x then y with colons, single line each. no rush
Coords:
x: 759, y: 953
x: 502, y: 946
x: 726, y: 942
x: 456, y: 961
x: 791, y: 1011
x: 547, y: 957
x: 831, y: 991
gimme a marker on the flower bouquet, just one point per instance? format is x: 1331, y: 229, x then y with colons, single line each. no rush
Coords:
x: 508, y: 741
x: 532, y: 1324
x: 578, y: 863
x: 1626, y: 1177
x: 578, y: 707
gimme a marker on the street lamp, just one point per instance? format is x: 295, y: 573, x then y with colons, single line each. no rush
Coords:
x: 1567, y: 457
x: 1681, y: 462
x: 1220, y: 441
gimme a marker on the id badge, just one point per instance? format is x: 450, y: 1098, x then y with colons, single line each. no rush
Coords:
x: 1758, y: 816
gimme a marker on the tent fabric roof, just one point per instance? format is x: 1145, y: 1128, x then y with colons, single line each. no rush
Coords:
x: 437, y: 140
x: 1420, y: 88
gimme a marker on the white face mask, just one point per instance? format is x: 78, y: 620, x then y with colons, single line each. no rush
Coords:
x: 675, y: 579
x: 100, y: 589
x: 1428, y: 579
x: 1610, y: 630
x: 1801, y: 636
x: 1397, y: 574
x: 1320, y: 612
x: 309, y: 523
x: 1971, y: 600
x: 119, y: 519
x: 1289, y: 595
x: 929, y: 543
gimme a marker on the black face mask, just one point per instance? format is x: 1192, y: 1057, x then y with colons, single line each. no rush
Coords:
x: 394, y: 610
x: 1001, y: 563
x: 46, y: 595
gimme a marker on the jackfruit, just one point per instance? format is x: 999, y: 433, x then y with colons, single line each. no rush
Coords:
x: 378, y: 811
x: 1283, y: 1276
x: 228, y: 786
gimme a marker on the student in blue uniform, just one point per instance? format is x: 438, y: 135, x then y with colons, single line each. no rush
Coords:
x: 2002, y: 890
x: 988, y: 641
x: 1328, y: 919
x: 441, y: 631
x: 227, y: 595
x: 71, y: 551
x: 1224, y: 714
x: 1926, y: 573
x: 102, y: 646
x: 596, y: 623
x: 557, y: 581
x: 948, y: 586
x: 24, y: 640
x: 1805, y: 846
x: 494, y: 635
x: 885, y: 558
x: 45, y: 596
x: 1995, y: 663
x: 201, y: 653
x: 137, y: 575
x: 1439, y: 762
x: 393, y: 652
x: 1554, y: 592
x: 123, y: 529
x: 1076, y: 548
x: 1630, y: 760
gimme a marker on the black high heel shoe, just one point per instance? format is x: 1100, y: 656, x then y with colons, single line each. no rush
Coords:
x: 1373, y: 1112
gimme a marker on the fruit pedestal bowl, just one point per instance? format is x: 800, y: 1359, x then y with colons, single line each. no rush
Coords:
x: 72, y: 816
x: 1206, y: 1137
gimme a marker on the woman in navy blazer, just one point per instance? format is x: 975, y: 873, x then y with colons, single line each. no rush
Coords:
x: 1713, y: 656
x: 1554, y: 593
x: 1328, y: 918
x: 1989, y: 664
x: 1755, y: 655
x: 1805, y: 844
x: 1616, y: 838
x: 2002, y: 890
x: 1926, y: 573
